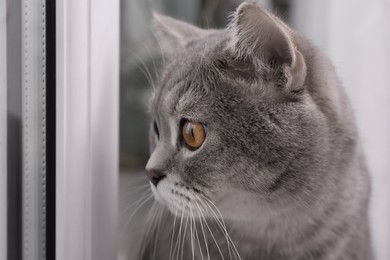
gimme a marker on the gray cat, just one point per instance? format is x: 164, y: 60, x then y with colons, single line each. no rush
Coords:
x: 254, y: 148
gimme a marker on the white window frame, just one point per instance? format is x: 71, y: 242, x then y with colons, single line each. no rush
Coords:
x: 87, y: 128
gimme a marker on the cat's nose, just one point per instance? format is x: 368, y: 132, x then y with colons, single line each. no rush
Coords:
x: 155, y: 176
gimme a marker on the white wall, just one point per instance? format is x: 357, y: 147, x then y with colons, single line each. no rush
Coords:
x: 361, y: 50
x: 356, y: 36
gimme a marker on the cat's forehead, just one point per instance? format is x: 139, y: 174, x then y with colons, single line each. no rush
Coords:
x: 186, y: 81
x: 182, y: 98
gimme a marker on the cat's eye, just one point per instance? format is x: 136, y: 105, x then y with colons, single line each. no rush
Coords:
x: 193, y: 134
x: 155, y: 127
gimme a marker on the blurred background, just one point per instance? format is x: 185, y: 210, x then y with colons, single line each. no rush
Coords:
x: 354, y: 34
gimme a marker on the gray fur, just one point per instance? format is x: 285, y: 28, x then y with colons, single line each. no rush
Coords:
x: 282, y: 159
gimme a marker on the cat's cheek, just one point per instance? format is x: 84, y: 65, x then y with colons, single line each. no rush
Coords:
x: 161, y: 192
x: 157, y: 195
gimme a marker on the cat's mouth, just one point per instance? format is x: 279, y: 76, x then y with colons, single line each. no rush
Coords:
x: 180, y: 198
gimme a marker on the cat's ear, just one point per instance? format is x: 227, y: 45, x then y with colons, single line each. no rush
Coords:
x: 267, y: 41
x: 173, y: 34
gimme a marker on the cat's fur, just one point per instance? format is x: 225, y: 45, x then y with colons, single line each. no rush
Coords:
x: 281, y: 160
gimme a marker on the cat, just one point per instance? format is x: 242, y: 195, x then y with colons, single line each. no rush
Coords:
x: 254, y: 148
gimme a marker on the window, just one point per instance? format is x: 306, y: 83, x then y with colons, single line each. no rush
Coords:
x: 75, y: 79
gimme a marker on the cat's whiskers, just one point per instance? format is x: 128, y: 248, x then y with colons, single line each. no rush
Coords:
x: 177, y: 244
x: 145, y: 70
x: 151, y: 216
x: 154, y: 64
x: 136, y: 181
x: 131, y: 192
x: 153, y: 61
x: 145, y: 194
x: 184, y: 236
x: 192, y: 234
x: 222, y: 225
x: 211, y: 233
x: 161, y: 52
x: 140, y: 204
x: 190, y: 203
x: 203, y: 232
x: 151, y: 219
x: 146, y: 74
x: 157, y: 232
x: 173, y: 233
x: 197, y: 235
x: 159, y: 45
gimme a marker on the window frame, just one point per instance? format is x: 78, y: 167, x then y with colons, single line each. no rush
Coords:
x: 87, y: 128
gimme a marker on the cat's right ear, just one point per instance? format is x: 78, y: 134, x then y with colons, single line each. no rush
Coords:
x: 173, y: 34
x: 268, y: 42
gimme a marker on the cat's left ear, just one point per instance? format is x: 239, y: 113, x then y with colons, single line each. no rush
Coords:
x: 260, y: 36
x: 173, y: 34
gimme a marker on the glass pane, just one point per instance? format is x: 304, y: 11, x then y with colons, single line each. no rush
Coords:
x: 350, y: 36
x: 141, y: 59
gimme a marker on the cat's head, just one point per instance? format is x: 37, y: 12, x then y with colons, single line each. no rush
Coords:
x: 233, y: 122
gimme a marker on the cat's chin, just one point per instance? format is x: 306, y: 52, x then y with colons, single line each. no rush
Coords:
x: 178, y: 199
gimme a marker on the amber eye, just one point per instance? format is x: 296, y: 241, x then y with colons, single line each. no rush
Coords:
x: 193, y: 134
